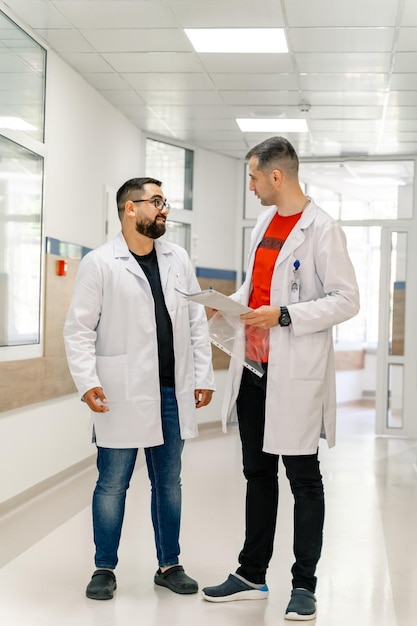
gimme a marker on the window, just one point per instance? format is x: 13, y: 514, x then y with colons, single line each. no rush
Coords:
x: 174, y: 166
x: 22, y: 104
x: 20, y: 248
x: 22, y: 80
x: 354, y: 192
x: 364, y: 245
x: 178, y: 233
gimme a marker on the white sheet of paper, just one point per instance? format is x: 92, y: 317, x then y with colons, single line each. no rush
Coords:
x: 216, y: 300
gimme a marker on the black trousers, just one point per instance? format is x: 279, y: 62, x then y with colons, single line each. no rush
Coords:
x: 261, y: 473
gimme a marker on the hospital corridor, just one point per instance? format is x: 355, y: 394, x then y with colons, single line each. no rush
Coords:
x: 189, y: 190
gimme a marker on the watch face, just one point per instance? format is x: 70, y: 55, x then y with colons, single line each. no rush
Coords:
x: 285, y: 319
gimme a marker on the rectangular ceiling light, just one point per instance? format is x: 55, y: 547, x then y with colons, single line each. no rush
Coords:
x: 252, y: 125
x: 238, y: 40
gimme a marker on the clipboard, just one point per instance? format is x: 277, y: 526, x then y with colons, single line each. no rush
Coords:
x: 216, y: 300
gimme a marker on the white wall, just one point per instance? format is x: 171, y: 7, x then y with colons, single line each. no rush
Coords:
x: 91, y: 146
x: 369, y: 373
x: 41, y: 440
x: 216, y: 180
x: 349, y: 386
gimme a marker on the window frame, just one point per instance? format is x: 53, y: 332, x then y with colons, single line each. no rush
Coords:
x: 37, y: 147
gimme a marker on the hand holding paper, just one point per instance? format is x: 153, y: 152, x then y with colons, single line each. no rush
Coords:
x: 225, y: 329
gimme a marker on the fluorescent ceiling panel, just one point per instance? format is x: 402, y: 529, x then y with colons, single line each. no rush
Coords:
x: 250, y: 125
x: 238, y: 40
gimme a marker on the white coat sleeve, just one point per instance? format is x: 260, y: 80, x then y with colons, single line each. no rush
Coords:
x: 333, y: 283
x: 81, y: 323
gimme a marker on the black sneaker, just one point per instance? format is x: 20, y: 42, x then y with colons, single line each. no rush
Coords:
x: 176, y: 579
x: 101, y: 585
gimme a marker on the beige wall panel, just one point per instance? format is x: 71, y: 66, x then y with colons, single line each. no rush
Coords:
x: 349, y: 360
x: 36, y: 380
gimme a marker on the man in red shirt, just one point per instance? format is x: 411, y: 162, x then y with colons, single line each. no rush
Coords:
x: 300, y: 282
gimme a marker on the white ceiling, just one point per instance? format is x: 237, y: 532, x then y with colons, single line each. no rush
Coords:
x: 353, y: 62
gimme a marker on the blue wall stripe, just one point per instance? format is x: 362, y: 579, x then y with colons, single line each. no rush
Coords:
x: 64, y: 248
x: 208, y: 272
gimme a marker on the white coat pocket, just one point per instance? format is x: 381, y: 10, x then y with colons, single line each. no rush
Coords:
x: 113, y: 374
x: 309, y: 355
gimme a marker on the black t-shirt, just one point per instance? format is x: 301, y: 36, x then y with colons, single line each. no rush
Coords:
x: 149, y: 264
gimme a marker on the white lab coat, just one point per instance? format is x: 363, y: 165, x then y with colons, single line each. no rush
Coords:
x: 301, y: 398
x: 110, y: 339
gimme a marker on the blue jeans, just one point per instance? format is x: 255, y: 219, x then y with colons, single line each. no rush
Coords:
x: 261, y: 472
x: 115, y: 467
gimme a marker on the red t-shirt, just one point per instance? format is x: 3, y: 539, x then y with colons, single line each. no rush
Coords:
x: 257, y: 339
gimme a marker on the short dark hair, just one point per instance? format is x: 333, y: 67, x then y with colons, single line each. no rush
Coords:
x: 276, y: 153
x: 134, y: 184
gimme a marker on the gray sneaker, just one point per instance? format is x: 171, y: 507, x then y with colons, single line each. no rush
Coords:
x: 234, y: 589
x: 302, y: 605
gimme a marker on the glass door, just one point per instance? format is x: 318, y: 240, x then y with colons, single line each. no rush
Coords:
x: 396, y: 393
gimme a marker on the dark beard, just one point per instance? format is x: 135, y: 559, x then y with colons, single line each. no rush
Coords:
x: 153, y: 230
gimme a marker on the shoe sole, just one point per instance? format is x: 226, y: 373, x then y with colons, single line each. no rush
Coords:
x: 253, y: 594
x: 297, y: 617
x: 91, y: 597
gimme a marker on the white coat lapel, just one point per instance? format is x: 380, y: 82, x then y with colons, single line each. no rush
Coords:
x: 133, y: 266
x: 294, y: 240
x: 121, y: 251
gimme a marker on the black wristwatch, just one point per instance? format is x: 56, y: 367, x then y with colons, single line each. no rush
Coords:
x: 284, y: 319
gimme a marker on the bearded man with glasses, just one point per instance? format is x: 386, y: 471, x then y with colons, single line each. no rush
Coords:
x: 140, y: 356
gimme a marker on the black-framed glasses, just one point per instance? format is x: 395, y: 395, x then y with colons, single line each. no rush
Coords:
x: 158, y: 203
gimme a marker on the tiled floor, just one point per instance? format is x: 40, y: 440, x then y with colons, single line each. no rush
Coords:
x: 367, y: 574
